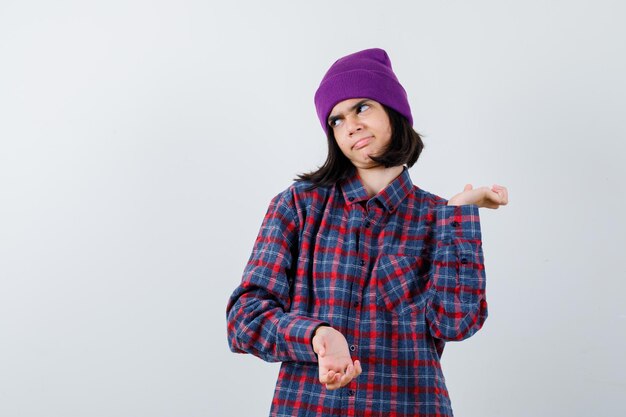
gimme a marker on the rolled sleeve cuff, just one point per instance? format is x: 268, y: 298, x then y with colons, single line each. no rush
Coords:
x: 457, y: 222
x: 297, y: 336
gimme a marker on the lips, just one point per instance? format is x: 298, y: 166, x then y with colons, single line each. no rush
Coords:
x: 361, y: 143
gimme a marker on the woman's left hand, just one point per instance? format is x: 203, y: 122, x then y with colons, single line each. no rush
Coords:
x: 493, y: 197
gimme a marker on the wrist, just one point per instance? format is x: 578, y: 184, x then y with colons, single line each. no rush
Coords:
x: 317, y: 332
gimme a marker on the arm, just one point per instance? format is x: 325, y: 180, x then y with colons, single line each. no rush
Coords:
x: 457, y: 307
x: 259, y: 320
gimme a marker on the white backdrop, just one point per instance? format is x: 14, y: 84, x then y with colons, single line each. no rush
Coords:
x: 141, y: 141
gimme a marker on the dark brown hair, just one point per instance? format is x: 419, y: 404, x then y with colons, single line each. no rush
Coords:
x: 404, y: 147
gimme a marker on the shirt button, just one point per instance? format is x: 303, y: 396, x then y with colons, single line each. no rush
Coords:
x: 454, y: 224
x: 352, y: 348
x: 351, y: 393
x: 362, y: 262
x: 367, y: 224
x: 355, y: 304
x: 351, y: 198
x: 463, y: 261
x: 390, y: 208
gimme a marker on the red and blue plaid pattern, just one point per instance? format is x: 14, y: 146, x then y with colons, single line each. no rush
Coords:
x: 398, y: 274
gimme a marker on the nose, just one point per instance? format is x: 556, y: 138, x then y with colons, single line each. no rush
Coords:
x: 353, y: 124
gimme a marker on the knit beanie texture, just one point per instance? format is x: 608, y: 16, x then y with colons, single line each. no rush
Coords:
x: 366, y: 74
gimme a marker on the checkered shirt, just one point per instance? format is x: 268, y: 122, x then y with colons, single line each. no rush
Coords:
x: 399, y: 274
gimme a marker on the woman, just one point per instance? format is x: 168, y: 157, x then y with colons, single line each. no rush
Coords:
x: 358, y: 277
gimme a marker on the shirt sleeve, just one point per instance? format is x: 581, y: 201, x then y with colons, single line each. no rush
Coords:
x: 258, y: 317
x: 457, y: 307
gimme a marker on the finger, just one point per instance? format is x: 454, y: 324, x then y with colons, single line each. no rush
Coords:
x: 334, y: 383
x: 499, y: 191
x: 330, y: 376
x: 327, y: 377
x: 324, y: 378
x: 503, y: 197
x: 497, y: 198
x: 345, y: 380
x: 347, y: 377
x: 467, y: 187
x: 502, y: 192
x: 351, y: 370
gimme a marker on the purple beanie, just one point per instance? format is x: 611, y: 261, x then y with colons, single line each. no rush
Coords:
x: 366, y: 74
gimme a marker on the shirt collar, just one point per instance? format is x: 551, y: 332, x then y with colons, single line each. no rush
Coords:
x: 390, y: 197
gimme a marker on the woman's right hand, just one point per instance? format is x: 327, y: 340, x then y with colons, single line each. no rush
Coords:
x: 336, y: 368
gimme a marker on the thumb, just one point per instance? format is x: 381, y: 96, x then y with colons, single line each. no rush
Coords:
x: 467, y: 187
x: 318, y: 347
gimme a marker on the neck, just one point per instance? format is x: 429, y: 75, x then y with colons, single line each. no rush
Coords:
x: 377, y: 178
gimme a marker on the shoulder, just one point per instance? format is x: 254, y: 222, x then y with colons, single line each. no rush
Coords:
x: 428, y: 199
x: 298, y: 199
x: 301, y: 194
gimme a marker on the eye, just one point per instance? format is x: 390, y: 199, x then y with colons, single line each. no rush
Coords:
x: 362, y: 108
x: 334, y: 122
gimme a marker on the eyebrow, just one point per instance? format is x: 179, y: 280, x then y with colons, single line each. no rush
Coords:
x: 334, y: 117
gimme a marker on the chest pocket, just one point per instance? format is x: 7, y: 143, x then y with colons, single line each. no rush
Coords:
x: 401, y: 283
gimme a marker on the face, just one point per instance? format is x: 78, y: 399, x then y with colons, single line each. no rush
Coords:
x: 361, y: 128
